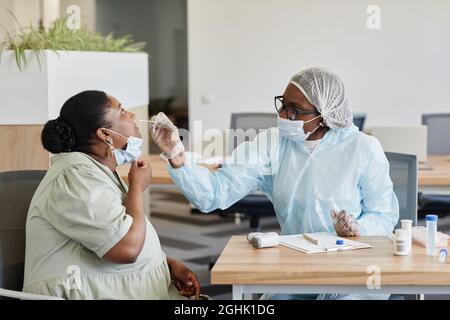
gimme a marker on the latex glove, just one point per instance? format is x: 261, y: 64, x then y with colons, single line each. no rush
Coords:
x: 166, y: 136
x: 345, y: 224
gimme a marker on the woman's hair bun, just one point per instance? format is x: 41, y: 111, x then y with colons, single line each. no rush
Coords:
x: 57, y: 136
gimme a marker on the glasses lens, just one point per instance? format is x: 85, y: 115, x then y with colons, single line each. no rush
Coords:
x: 278, y: 104
x: 291, y: 112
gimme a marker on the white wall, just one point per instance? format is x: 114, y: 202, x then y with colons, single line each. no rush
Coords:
x: 242, y: 53
x: 5, y: 17
x: 27, y: 12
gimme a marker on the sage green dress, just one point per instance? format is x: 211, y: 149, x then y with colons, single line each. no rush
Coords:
x: 75, y: 217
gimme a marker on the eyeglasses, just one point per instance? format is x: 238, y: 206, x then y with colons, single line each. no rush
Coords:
x: 291, y: 112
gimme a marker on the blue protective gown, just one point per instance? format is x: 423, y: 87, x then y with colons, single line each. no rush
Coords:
x: 347, y: 165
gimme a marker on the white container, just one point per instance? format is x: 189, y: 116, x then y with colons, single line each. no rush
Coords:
x: 431, y: 234
x: 252, y: 235
x: 407, y: 226
x: 400, y: 243
x: 266, y: 240
x: 35, y: 95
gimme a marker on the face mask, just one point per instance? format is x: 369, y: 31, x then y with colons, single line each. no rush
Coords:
x: 293, y: 129
x: 132, y: 151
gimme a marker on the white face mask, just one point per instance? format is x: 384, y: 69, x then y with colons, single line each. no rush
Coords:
x: 294, y: 129
x: 132, y: 151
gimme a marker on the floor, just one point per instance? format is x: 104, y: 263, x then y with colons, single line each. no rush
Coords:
x: 198, y: 239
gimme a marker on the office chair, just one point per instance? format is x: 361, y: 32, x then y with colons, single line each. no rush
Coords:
x: 16, y: 191
x: 403, y: 173
x: 438, y: 124
x: 438, y: 144
x: 254, y: 205
x: 359, y: 119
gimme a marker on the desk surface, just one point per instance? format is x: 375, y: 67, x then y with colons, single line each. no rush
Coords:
x: 438, y: 175
x: 159, y: 171
x: 239, y: 263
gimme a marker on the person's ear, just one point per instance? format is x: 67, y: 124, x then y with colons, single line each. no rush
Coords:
x: 104, y: 135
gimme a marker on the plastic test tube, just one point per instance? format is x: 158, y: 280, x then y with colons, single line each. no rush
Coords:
x: 431, y: 234
x: 334, y: 207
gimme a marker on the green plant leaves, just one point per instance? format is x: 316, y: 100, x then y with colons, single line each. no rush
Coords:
x: 60, y: 37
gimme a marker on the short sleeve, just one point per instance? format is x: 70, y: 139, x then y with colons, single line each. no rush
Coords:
x: 86, y: 208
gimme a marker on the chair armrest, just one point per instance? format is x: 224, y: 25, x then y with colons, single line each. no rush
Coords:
x: 25, y: 295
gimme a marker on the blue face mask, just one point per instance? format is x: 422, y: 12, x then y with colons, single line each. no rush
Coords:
x: 293, y: 129
x: 132, y: 151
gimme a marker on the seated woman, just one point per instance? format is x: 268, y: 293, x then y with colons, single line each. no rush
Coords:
x: 84, y: 219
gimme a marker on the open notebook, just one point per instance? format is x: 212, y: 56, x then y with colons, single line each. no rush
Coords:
x: 327, y: 243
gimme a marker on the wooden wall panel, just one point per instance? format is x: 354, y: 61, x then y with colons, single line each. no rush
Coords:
x: 21, y: 148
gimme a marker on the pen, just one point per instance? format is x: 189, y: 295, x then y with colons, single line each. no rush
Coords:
x: 311, y: 239
x: 339, y: 248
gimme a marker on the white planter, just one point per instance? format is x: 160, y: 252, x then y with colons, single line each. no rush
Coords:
x: 36, y: 94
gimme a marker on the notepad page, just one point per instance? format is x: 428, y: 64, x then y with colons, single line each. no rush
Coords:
x: 329, y: 240
x: 326, y: 240
x: 297, y: 242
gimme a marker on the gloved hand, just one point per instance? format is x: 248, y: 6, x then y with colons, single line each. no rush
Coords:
x: 345, y: 224
x: 166, y: 136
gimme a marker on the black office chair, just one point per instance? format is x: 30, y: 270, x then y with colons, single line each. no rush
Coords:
x: 16, y: 191
x: 438, y: 143
x: 438, y: 126
x: 359, y: 119
x: 403, y: 173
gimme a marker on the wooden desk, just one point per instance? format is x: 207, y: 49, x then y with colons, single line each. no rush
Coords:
x: 436, y: 179
x: 160, y: 174
x: 284, y: 270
